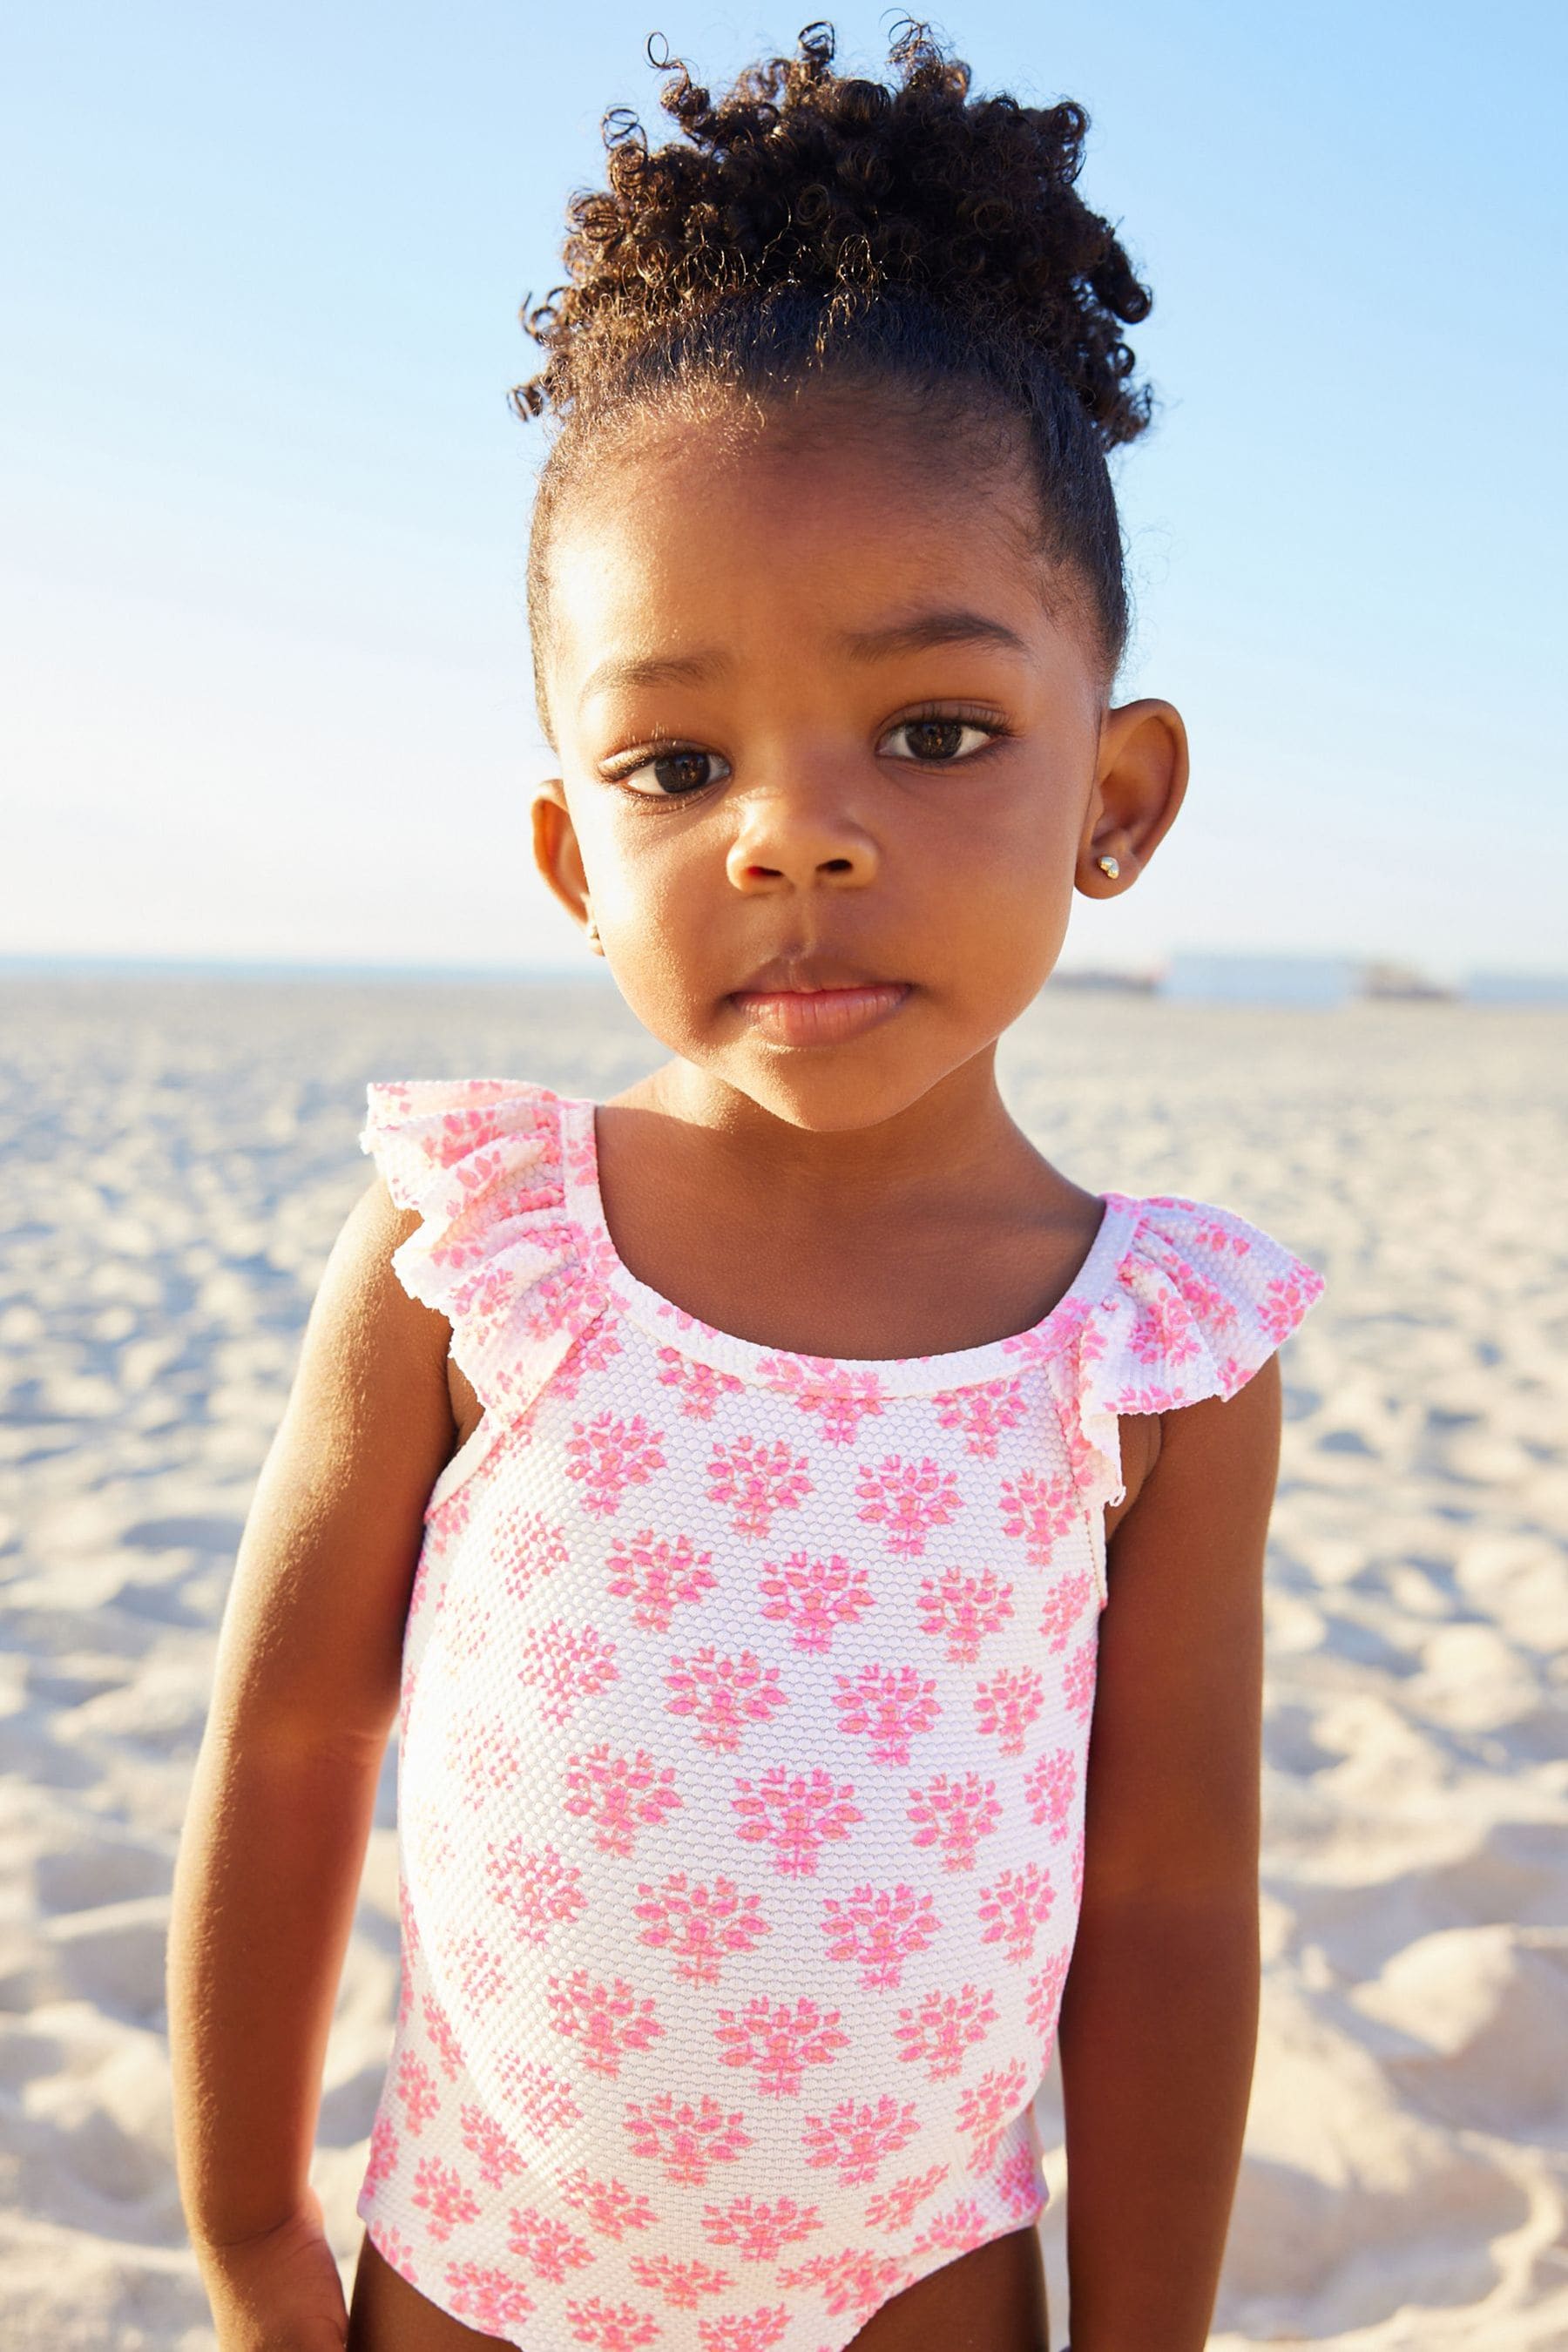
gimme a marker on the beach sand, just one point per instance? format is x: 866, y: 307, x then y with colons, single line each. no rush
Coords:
x: 179, y: 1155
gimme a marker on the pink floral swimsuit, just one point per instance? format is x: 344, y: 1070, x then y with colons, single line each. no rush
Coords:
x: 745, y: 1700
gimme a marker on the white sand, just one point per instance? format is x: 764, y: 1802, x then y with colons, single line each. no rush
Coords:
x: 180, y: 1157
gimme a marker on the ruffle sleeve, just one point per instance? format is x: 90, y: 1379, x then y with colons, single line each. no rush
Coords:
x: 1198, y: 1302
x: 496, y: 1251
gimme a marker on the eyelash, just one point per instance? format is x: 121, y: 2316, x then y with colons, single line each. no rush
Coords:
x: 665, y: 747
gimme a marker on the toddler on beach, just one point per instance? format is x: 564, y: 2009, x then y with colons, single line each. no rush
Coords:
x: 747, y: 1495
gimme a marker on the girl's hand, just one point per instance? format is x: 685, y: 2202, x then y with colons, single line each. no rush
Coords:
x: 278, y: 2292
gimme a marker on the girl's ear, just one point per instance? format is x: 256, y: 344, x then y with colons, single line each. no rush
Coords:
x: 558, y: 857
x: 1139, y: 785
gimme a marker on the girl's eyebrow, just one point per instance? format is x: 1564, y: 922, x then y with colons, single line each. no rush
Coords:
x: 952, y: 626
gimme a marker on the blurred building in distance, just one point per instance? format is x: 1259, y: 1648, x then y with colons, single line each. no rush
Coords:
x: 1197, y: 976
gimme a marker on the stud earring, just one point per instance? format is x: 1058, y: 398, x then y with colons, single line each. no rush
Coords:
x: 1109, y: 866
x: 592, y: 933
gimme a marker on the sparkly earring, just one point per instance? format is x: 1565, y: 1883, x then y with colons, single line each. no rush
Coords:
x: 1109, y: 866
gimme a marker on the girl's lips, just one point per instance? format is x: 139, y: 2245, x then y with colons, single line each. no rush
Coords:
x: 818, y: 1016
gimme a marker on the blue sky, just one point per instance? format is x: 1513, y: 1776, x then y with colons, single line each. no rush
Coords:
x: 261, y: 572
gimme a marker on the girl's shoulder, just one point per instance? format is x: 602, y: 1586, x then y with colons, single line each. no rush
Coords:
x: 1196, y: 1301
x: 492, y: 1167
x: 1196, y: 1284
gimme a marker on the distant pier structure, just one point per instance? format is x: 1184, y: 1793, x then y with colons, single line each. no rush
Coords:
x: 1250, y: 976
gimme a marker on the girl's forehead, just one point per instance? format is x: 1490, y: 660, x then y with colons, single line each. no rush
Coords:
x: 680, y: 526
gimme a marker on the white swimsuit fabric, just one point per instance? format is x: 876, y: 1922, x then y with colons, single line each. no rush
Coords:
x: 745, y: 1702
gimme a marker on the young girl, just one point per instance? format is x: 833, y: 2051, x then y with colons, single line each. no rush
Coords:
x: 746, y: 1493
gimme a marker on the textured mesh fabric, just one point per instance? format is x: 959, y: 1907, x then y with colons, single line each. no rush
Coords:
x: 745, y: 1704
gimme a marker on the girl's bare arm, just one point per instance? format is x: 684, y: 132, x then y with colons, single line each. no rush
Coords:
x: 1159, y: 2019
x: 305, y: 1694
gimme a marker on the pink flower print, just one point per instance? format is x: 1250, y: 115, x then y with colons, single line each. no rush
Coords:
x: 988, y: 2106
x: 700, y: 1385
x: 724, y: 1694
x: 1206, y: 1301
x: 1065, y: 1602
x: 1044, y: 1994
x: 448, y: 1520
x: 485, y: 2297
x: 397, y: 2250
x: 937, y: 2032
x: 814, y: 1597
x: 570, y: 1295
x: 607, y: 2020
x: 681, y: 2284
x: 687, y: 2139
x: 747, y: 2331
x: 794, y: 1814
x: 1021, y: 2184
x: 567, y: 1663
x: 1015, y: 1907
x: 439, y: 2190
x: 1164, y: 1330
x: 963, y: 1609
x: 908, y: 1498
x: 425, y: 1835
x: 1211, y: 1233
x: 1050, y: 1784
x: 483, y: 2138
x: 549, y: 2246
x: 955, y: 1814
x: 657, y: 1575
x: 594, y: 1347
x: 984, y: 1414
x: 543, y: 2098
x: 758, y: 2231
x: 416, y: 2086
x: 1287, y: 1299
x: 608, y: 1455
x: 700, y: 1926
x: 819, y: 1384
x: 857, y: 2137
x: 611, y: 2207
x: 531, y: 1546
x: 466, y: 1623
x: 612, y: 2327
x: 1148, y: 1399
x: 1078, y: 1679
x: 1039, y: 1510
x: 890, y: 1705
x: 855, y: 2280
x: 382, y: 2161
x: 482, y: 1756
x: 619, y: 1794
x: 409, y: 1949
x: 758, y: 1479
x: 535, y: 1886
x: 780, y: 2042
x: 1077, y: 1867
x: 1008, y: 1704
x: 880, y: 1927
x: 468, y: 1128
x: 956, y: 2231
x: 895, y: 2207
x: 443, y: 2041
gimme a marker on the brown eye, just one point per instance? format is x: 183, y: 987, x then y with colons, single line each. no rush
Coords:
x: 677, y: 773
x: 939, y: 739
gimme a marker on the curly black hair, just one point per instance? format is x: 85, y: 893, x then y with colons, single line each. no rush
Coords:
x: 909, y: 241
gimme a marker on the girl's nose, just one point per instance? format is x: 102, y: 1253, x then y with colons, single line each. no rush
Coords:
x: 802, y: 838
